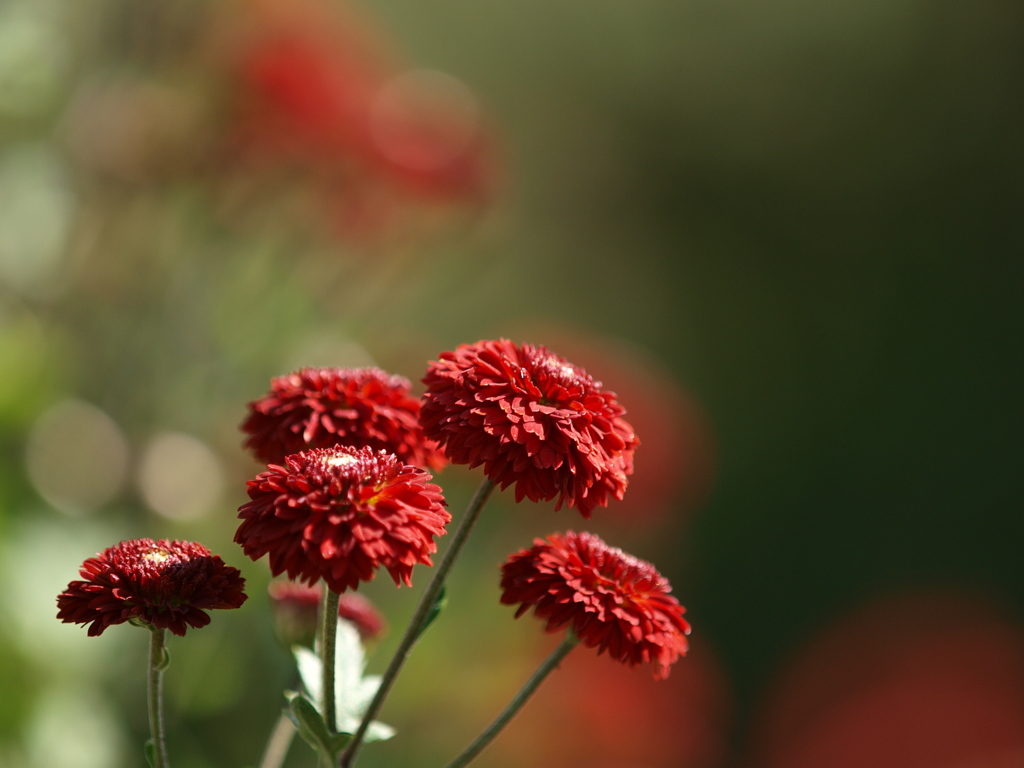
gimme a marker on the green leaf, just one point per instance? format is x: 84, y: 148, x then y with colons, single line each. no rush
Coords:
x: 435, y: 610
x: 352, y: 690
x: 313, y: 729
x: 165, y: 660
x: 151, y: 753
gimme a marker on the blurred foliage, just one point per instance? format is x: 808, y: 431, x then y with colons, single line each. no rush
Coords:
x: 802, y: 220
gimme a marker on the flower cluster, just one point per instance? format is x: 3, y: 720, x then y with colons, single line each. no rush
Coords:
x: 612, y: 601
x: 164, y: 584
x: 531, y: 419
x: 339, y: 513
x: 346, y: 492
x: 323, y: 407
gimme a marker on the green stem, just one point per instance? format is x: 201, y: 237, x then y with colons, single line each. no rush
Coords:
x: 485, y: 738
x: 328, y: 646
x: 328, y: 643
x: 278, y: 744
x: 419, y: 618
x: 157, y: 664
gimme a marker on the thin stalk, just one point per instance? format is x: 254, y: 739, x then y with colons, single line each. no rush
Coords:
x: 485, y: 738
x: 278, y: 744
x: 328, y: 644
x: 419, y: 618
x: 157, y: 664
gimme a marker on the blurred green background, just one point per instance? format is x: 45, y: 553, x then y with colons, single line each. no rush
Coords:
x: 792, y: 232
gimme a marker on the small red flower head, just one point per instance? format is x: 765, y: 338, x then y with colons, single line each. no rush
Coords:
x: 165, y: 584
x: 339, y: 513
x: 532, y: 419
x: 611, y: 600
x: 322, y: 407
x: 295, y: 609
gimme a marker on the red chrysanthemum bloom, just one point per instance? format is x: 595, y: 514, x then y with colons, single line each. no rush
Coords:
x: 322, y: 407
x: 532, y: 419
x: 295, y: 608
x: 339, y: 513
x: 612, y: 601
x: 165, y: 584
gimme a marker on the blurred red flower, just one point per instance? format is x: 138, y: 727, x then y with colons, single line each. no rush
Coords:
x: 612, y: 601
x: 323, y: 407
x: 164, y: 584
x: 914, y: 681
x: 314, y: 88
x: 531, y: 419
x: 295, y: 606
x: 340, y: 513
x: 620, y: 718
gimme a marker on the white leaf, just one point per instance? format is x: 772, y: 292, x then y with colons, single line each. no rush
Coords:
x: 352, y: 691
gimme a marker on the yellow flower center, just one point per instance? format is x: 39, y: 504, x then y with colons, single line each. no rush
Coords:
x: 340, y: 460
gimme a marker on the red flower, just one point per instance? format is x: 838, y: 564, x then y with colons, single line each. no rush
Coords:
x: 322, y: 407
x: 612, y: 601
x: 166, y: 584
x: 682, y: 721
x: 909, y: 680
x: 532, y: 419
x: 315, y: 93
x: 339, y: 513
x: 295, y: 609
